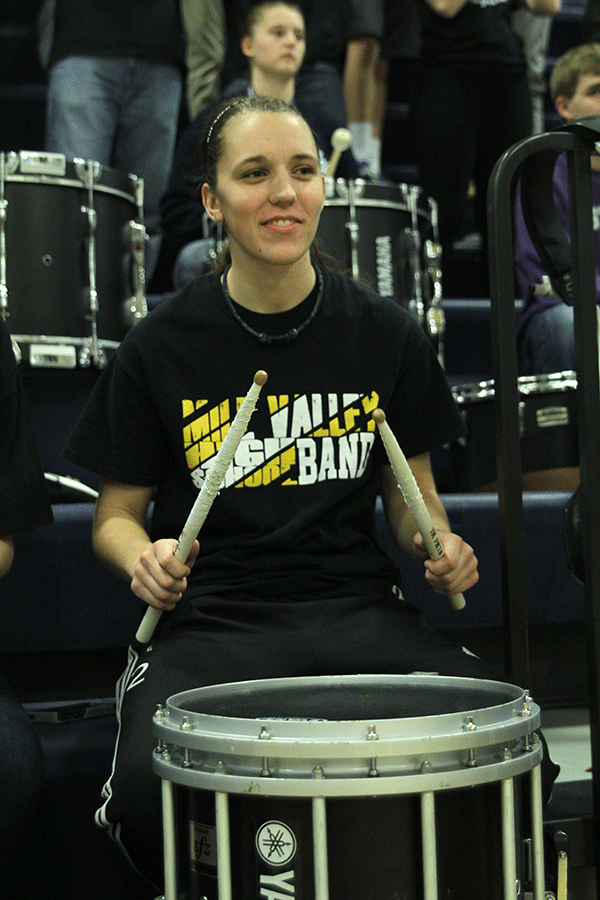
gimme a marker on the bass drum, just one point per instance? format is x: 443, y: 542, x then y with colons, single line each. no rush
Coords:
x: 72, y: 258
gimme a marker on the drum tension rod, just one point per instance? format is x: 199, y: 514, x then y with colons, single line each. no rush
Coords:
x: 373, y: 736
x: 265, y: 736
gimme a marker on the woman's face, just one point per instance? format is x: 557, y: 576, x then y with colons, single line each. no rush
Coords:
x: 277, y: 44
x: 269, y: 190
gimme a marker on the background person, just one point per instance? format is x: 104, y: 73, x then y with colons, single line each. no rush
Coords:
x: 115, y: 81
x: 471, y: 102
x: 545, y: 325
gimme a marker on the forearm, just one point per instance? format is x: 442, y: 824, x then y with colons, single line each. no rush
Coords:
x: 119, y: 543
x: 446, y: 8
x: 7, y: 552
x: 404, y: 528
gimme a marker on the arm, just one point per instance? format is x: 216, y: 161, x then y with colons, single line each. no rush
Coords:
x: 122, y: 543
x: 457, y: 570
x: 542, y: 7
x: 7, y: 552
x: 447, y: 9
x: 450, y: 8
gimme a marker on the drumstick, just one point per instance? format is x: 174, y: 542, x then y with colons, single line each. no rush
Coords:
x: 208, y: 492
x: 340, y: 141
x: 412, y: 495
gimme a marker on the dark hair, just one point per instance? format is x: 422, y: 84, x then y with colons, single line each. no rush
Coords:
x: 254, y: 13
x: 211, y: 144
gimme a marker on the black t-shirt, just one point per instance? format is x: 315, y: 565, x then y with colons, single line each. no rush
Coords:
x: 479, y: 38
x: 147, y: 29
x: 295, y: 518
x: 24, y: 501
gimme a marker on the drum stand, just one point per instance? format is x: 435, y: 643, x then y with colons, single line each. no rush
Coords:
x: 577, y: 140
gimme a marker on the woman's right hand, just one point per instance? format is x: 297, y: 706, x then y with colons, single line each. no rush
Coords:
x: 159, y: 578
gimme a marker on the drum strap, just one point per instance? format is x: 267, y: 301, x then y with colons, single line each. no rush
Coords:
x: 539, y: 211
x: 541, y: 220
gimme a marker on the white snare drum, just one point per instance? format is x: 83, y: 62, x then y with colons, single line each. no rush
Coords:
x: 547, y: 427
x: 71, y: 257
x: 331, y: 788
x: 386, y: 236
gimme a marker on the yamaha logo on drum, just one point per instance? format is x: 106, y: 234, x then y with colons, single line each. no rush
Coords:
x: 276, y: 846
x: 385, y: 268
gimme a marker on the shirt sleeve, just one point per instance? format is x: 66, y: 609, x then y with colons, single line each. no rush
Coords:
x: 24, y: 499
x: 119, y: 434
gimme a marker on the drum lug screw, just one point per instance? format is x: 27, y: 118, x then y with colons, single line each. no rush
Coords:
x: 160, y: 712
x: 185, y: 724
x: 526, y: 711
x: 470, y: 726
x: 187, y: 761
x: 507, y: 754
x: 163, y: 750
x: 373, y: 736
x: 425, y: 767
x: 265, y: 736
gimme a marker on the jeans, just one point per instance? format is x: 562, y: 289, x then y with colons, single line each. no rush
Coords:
x: 548, y: 343
x: 122, y: 112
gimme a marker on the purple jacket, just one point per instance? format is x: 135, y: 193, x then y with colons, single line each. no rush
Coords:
x: 528, y: 268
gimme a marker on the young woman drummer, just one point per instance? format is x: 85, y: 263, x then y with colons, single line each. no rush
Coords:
x: 287, y: 579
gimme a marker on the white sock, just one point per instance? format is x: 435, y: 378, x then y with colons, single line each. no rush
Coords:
x: 360, y: 132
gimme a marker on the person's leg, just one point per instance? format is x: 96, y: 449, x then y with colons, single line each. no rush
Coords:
x: 82, y: 108
x: 547, y: 344
x: 445, y: 146
x: 146, y: 135
x: 21, y: 770
x: 505, y: 105
x: 223, y: 643
x: 362, y: 57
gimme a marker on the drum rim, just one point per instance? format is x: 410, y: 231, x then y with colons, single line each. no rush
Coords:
x: 351, y: 785
x: 554, y: 382
x: 119, y: 183
x: 255, y: 737
x: 215, y: 749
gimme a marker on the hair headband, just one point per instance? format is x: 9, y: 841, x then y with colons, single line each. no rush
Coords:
x: 221, y: 114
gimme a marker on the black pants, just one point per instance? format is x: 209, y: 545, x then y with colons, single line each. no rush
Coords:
x: 462, y: 123
x: 225, y: 641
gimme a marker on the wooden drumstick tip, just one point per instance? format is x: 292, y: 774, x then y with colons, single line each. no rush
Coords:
x: 260, y: 378
x: 379, y: 416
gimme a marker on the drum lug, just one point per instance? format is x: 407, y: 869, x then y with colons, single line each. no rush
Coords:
x: 92, y: 351
x: 136, y: 307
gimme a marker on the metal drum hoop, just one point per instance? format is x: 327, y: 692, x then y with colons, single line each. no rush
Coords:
x: 318, y: 758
